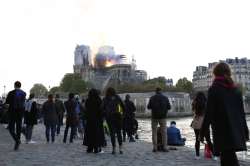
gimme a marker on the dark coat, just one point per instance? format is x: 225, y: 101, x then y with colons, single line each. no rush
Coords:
x: 129, y: 109
x: 59, y: 107
x: 15, y: 114
x: 71, y: 117
x: 49, y: 113
x: 225, y: 113
x: 94, y: 133
x: 109, y: 107
x: 30, y: 118
x: 11, y: 99
x: 129, y: 115
x: 159, y: 104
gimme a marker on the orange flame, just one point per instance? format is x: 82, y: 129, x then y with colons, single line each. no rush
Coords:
x: 108, y: 64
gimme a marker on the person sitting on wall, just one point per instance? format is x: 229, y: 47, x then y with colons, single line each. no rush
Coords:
x: 174, y: 135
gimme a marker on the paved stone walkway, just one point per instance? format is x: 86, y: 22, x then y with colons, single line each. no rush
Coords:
x: 59, y: 154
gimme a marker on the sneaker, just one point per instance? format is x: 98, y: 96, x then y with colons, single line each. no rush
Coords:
x: 215, y: 158
x: 101, y: 152
x: 121, y: 152
x: 197, y: 157
x: 31, y: 142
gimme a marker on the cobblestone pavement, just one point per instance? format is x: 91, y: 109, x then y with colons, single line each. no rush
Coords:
x: 59, y: 154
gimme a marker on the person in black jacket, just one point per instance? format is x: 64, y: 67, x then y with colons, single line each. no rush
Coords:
x: 225, y: 113
x: 60, y: 112
x: 94, y: 135
x: 113, y: 108
x: 129, y: 115
x: 159, y: 104
x: 50, y: 118
x: 16, y: 101
x: 30, y: 117
x: 71, y: 118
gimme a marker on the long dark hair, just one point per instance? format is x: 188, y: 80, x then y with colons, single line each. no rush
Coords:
x: 199, y: 103
x: 223, y: 70
x: 110, y: 92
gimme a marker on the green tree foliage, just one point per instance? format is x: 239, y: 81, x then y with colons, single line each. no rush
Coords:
x: 72, y: 82
x: 55, y: 89
x: 184, y: 85
x: 39, y: 90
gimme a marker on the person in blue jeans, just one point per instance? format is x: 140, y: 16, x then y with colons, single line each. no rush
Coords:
x: 50, y: 118
x: 174, y: 135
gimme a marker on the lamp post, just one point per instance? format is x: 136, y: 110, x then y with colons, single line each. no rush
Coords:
x: 4, y: 90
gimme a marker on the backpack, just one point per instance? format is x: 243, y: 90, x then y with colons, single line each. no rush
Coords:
x: 19, y: 100
x: 114, y: 106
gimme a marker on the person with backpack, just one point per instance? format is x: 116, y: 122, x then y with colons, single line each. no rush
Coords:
x: 113, y: 109
x: 30, y: 117
x: 50, y: 118
x: 16, y: 101
x: 71, y: 118
x: 159, y: 105
x: 60, y: 112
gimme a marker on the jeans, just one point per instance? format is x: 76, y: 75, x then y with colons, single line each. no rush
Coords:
x: 58, y: 126
x: 115, y: 128
x: 72, y: 133
x: 50, y: 130
x: 154, y: 124
x: 15, y: 125
x: 28, y: 133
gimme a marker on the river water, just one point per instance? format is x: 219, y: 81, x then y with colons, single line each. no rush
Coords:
x: 145, y: 132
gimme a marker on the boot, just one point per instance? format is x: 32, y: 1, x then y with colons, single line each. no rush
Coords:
x: 113, y: 151
x: 120, y: 149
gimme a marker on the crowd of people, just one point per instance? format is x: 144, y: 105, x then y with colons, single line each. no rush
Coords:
x: 221, y: 110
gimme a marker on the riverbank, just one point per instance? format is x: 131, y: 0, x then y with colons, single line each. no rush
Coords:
x: 59, y: 154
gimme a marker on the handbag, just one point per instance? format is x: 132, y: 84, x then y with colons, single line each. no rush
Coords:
x: 207, y: 152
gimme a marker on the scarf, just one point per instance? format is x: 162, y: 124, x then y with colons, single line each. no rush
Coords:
x: 222, y: 81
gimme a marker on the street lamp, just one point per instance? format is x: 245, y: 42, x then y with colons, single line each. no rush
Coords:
x: 4, y: 90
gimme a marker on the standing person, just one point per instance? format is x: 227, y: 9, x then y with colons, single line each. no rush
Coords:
x: 79, y: 127
x: 16, y: 101
x: 198, y: 107
x: 94, y: 135
x: 159, y: 104
x: 113, y: 108
x: 225, y: 113
x: 50, y: 118
x: 129, y: 115
x: 71, y: 118
x: 30, y: 117
x: 60, y: 113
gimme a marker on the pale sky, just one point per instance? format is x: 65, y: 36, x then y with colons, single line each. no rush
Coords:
x: 167, y: 37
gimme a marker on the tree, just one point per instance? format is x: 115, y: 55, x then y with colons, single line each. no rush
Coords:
x: 73, y: 82
x: 185, y: 85
x: 39, y: 90
x: 55, y: 90
x: 78, y: 86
